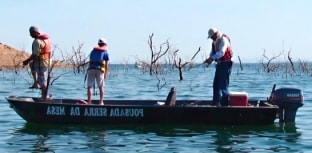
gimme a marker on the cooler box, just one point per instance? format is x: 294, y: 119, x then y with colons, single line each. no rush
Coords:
x: 238, y: 99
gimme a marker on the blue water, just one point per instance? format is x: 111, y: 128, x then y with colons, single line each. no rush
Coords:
x: 126, y: 82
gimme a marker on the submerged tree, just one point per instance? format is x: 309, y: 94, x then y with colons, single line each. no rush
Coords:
x: 286, y: 68
x: 77, y: 59
x: 156, y: 55
x: 269, y: 66
x: 179, y: 65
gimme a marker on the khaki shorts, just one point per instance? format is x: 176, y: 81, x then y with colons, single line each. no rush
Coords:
x: 42, y: 72
x: 33, y: 66
x: 94, y: 74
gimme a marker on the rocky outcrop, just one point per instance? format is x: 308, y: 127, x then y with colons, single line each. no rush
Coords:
x: 11, y: 57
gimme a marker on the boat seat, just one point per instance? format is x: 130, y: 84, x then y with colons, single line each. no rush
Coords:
x: 171, y: 98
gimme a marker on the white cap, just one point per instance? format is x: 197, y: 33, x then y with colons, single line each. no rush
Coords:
x: 211, y: 32
x: 102, y: 41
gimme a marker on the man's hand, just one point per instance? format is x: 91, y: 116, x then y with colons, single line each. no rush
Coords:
x: 25, y: 62
x: 208, y: 60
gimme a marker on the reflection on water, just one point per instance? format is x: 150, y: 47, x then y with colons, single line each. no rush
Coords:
x: 18, y: 136
x: 54, y: 138
x: 230, y: 139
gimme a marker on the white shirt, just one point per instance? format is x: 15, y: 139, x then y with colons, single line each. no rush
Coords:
x: 224, y: 44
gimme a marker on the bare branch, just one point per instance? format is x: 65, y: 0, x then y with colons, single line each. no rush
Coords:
x: 291, y: 63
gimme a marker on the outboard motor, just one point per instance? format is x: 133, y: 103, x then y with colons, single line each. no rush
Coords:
x: 288, y: 101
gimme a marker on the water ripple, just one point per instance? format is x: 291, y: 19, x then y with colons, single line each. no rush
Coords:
x: 18, y: 136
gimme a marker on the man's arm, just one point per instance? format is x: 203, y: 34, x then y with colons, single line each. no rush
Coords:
x: 29, y: 59
x: 37, y: 47
x: 222, y: 45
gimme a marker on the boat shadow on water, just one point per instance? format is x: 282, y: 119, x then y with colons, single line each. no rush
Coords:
x: 160, y: 130
x: 224, y: 138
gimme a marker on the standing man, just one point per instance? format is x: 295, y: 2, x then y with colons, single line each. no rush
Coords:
x: 40, y: 60
x: 221, y: 53
x: 98, y: 69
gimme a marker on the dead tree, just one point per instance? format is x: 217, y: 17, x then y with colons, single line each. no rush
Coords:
x: 161, y: 78
x: 56, y: 63
x: 77, y: 59
x: 269, y: 67
x: 291, y: 62
x: 155, y: 65
x: 17, y: 62
x: 179, y: 65
x: 240, y: 63
x: 63, y: 61
x: 304, y: 66
x: 125, y: 65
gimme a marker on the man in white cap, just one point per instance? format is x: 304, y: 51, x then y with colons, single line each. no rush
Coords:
x: 221, y: 53
x: 98, y: 69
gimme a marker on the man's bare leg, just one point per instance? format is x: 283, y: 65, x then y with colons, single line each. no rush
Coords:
x: 44, y: 93
x: 89, y: 93
x: 101, y: 95
x: 35, y: 78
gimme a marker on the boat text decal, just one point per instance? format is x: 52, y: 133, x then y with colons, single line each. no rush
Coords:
x: 95, y: 111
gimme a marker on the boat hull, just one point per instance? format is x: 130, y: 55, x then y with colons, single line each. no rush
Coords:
x: 67, y: 111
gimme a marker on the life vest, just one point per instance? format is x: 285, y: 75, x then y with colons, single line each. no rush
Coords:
x: 228, y: 54
x: 46, y: 50
x: 96, y: 59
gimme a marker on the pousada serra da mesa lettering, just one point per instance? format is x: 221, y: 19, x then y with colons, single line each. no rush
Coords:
x: 94, y: 111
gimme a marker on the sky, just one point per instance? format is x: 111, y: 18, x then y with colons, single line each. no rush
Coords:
x: 254, y: 26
